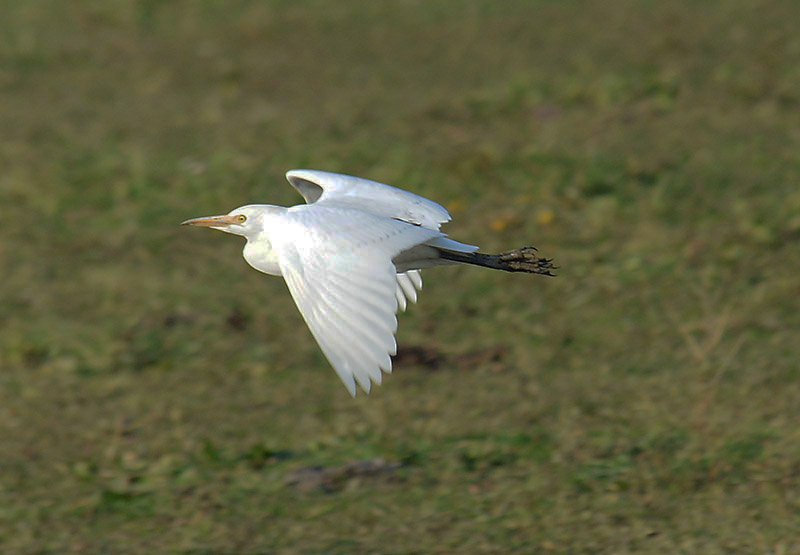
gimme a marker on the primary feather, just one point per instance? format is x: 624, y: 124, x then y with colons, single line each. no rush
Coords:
x: 338, y: 265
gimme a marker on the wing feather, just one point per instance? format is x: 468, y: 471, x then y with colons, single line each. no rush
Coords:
x: 338, y: 266
x: 342, y: 346
x: 368, y: 324
x: 407, y: 286
x: 401, y: 298
x: 405, y: 280
x: 370, y: 297
x: 378, y: 198
x: 416, y: 277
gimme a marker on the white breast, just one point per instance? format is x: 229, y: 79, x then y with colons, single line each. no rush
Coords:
x: 258, y: 252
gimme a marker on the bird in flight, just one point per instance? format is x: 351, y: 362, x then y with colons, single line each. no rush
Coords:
x: 351, y: 258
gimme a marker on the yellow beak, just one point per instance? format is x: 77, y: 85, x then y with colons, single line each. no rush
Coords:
x: 213, y: 221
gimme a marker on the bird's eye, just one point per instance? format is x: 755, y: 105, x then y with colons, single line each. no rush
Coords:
x: 241, y: 218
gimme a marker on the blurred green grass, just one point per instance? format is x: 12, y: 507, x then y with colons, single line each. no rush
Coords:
x: 155, y: 392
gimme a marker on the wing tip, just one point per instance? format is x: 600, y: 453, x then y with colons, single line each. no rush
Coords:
x: 295, y: 172
x: 354, y: 383
x: 291, y: 175
x: 307, y: 174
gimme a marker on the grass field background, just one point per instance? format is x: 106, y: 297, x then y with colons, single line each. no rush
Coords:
x: 158, y: 395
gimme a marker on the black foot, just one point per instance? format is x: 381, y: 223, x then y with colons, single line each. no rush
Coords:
x: 524, y: 259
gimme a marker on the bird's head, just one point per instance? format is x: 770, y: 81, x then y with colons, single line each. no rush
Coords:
x: 244, y: 221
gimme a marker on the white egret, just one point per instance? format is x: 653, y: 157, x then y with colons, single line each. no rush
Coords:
x: 351, y: 257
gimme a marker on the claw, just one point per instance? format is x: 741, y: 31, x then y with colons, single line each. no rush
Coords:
x: 524, y: 259
x: 522, y: 253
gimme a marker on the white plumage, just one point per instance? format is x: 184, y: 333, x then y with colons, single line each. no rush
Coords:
x: 351, y: 258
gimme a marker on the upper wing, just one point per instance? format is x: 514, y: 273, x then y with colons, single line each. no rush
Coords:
x: 364, y: 194
x: 338, y: 266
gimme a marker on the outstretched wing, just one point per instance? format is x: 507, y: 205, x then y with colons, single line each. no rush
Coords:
x: 363, y: 194
x: 338, y: 266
